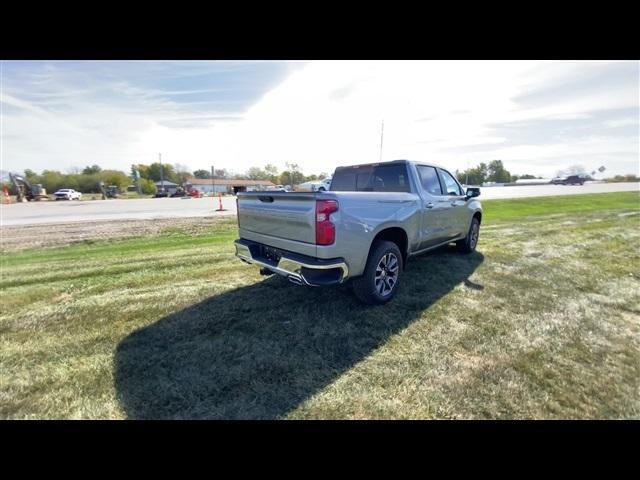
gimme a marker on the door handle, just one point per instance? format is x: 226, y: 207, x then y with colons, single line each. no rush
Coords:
x: 429, y: 205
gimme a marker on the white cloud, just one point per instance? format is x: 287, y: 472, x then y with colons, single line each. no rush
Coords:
x: 329, y: 112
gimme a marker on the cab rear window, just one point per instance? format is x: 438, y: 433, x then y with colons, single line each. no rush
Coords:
x: 371, y: 178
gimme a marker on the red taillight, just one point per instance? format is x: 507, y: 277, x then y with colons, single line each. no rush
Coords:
x: 325, y: 230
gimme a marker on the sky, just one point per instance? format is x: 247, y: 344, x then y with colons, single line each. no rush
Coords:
x: 538, y: 117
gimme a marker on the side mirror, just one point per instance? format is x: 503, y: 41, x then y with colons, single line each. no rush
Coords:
x: 473, y: 192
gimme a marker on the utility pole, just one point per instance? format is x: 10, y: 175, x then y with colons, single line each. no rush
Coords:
x: 381, y: 139
x: 161, y: 172
x: 213, y: 182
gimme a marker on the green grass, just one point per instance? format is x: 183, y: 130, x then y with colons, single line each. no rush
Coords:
x: 518, y: 207
x: 542, y: 322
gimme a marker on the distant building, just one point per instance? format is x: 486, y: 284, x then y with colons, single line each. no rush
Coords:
x: 167, y: 185
x: 225, y: 185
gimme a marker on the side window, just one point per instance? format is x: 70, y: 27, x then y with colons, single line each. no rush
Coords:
x: 429, y: 180
x: 450, y: 185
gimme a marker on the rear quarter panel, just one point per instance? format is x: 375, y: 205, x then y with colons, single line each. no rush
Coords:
x: 361, y: 216
x: 473, y: 206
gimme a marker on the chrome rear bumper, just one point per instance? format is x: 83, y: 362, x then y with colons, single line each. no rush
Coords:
x: 299, y: 269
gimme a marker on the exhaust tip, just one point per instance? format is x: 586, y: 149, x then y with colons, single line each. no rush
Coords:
x: 294, y: 279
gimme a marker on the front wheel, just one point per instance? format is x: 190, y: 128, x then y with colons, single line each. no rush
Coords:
x: 468, y: 244
x: 379, y: 282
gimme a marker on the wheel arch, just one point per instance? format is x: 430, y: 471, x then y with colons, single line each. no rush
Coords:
x: 396, y: 235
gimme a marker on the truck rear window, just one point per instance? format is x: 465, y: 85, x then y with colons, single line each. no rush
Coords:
x: 371, y: 178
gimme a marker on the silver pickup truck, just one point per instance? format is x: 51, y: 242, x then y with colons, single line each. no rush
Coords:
x: 372, y: 219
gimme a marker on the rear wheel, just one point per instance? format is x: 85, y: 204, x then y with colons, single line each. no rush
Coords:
x: 379, y: 282
x: 468, y: 244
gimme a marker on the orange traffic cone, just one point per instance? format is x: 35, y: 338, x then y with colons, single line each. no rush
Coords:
x: 220, y: 209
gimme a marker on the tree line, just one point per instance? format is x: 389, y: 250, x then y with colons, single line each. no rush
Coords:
x: 88, y: 180
x: 291, y: 175
x: 494, y: 172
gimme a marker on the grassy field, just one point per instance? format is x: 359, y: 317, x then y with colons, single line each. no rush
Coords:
x: 543, y: 321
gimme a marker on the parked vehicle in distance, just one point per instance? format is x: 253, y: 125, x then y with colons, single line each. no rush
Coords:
x: 315, y: 186
x: 179, y: 192
x: 276, y: 188
x: 363, y: 230
x: 325, y: 185
x: 194, y: 192
x: 25, y: 192
x: 569, y: 180
x: 161, y: 194
x: 67, y: 194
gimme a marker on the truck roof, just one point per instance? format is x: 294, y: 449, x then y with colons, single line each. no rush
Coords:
x: 431, y: 164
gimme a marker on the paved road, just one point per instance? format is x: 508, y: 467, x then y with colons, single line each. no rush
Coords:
x: 95, y: 210
x: 92, y: 210
x: 550, y: 190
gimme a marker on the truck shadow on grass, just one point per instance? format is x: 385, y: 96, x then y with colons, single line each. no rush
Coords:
x: 257, y: 352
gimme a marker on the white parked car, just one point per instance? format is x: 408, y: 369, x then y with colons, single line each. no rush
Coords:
x: 325, y: 185
x: 277, y: 188
x: 67, y: 194
x: 316, y: 185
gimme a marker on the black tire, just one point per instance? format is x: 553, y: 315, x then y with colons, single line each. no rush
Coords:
x: 469, y: 243
x: 367, y: 288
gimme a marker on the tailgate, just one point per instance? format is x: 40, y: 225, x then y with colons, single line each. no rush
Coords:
x: 282, y: 215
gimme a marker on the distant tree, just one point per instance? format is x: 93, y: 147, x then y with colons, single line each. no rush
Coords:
x: 221, y: 173
x: 30, y: 175
x: 91, y: 170
x: 474, y: 176
x: 497, y: 172
x: 256, y: 173
x: 52, y: 180
x: 72, y: 180
x: 143, y: 170
x: 524, y: 177
x: 630, y: 177
x: 147, y: 186
x: 89, y: 183
x: 292, y: 175
x: 202, y: 174
x: 115, y: 177
x: 167, y: 169
x: 182, y: 173
x: 272, y: 173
